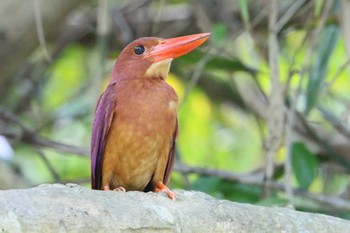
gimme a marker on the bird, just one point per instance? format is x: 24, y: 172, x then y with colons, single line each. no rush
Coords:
x: 135, y: 123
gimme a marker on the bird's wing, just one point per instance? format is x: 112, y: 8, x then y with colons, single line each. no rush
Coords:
x: 171, y: 157
x: 103, y: 118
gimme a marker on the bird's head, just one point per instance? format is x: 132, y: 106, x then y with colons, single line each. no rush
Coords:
x: 150, y: 57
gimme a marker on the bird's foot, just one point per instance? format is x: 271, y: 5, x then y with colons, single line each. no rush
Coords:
x: 107, y: 188
x: 120, y: 189
x: 163, y: 188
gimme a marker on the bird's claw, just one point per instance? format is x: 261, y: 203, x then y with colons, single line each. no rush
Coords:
x: 163, y: 188
x: 107, y: 188
x: 120, y: 189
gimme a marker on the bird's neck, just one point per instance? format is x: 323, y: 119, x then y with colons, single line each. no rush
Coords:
x: 159, y: 69
x: 135, y: 79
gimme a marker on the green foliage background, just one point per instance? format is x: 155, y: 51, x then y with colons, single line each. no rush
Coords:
x: 213, y: 133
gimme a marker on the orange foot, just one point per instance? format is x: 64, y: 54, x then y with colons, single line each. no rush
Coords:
x: 163, y: 188
x: 107, y: 188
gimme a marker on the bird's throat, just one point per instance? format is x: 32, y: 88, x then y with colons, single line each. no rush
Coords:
x: 159, y: 69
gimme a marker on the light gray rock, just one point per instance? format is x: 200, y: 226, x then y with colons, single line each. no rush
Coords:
x: 71, y: 208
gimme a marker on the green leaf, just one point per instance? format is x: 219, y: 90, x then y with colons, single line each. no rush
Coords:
x: 318, y: 7
x: 67, y: 73
x: 208, y: 185
x: 319, y: 69
x: 219, y: 33
x: 243, y: 6
x: 240, y: 192
x: 227, y: 189
x: 305, y: 165
x: 217, y: 63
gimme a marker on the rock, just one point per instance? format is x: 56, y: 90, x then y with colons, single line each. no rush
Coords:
x: 72, y: 208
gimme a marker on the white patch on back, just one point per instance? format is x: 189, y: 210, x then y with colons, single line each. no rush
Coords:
x: 172, y: 105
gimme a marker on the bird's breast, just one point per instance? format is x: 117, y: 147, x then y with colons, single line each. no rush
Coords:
x: 146, y: 105
x: 141, y: 132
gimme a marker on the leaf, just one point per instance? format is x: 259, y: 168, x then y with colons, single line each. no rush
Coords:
x: 318, y: 7
x: 243, y: 6
x: 305, y: 165
x: 227, y: 189
x: 207, y: 185
x: 217, y: 63
x: 319, y: 69
x: 219, y: 33
x: 67, y: 73
x: 240, y: 192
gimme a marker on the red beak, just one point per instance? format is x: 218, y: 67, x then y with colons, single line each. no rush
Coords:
x: 178, y: 46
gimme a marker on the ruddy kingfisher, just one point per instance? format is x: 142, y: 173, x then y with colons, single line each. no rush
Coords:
x: 135, y: 124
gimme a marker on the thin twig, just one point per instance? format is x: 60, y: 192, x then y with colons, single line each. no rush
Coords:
x: 126, y: 33
x: 337, y: 74
x: 131, y: 6
x: 102, y: 43
x: 80, y: 151
x: 338, y: 125
x: 289, y: 142
x: 157, y: 18
x: 49, y: 166
x: 196, y: 75
x: 102, y: 18
x: 36, y: 140
x: 345, y: 24
x: 40, y: 30
x: 29, y: 136
x: 288, y: 15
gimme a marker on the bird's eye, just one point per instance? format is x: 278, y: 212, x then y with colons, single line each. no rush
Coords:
x: 139, y: 49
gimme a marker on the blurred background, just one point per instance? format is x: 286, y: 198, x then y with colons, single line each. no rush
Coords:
x: 264, y: 105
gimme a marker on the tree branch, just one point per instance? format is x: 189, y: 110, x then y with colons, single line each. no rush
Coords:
x: 276, y: 108
x: 29, y: 136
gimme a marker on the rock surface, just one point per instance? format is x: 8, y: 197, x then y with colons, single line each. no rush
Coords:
x: 71, y: 208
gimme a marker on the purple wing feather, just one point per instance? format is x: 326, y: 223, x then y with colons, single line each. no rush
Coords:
x: 171, y: 157
x: 103, y: 118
